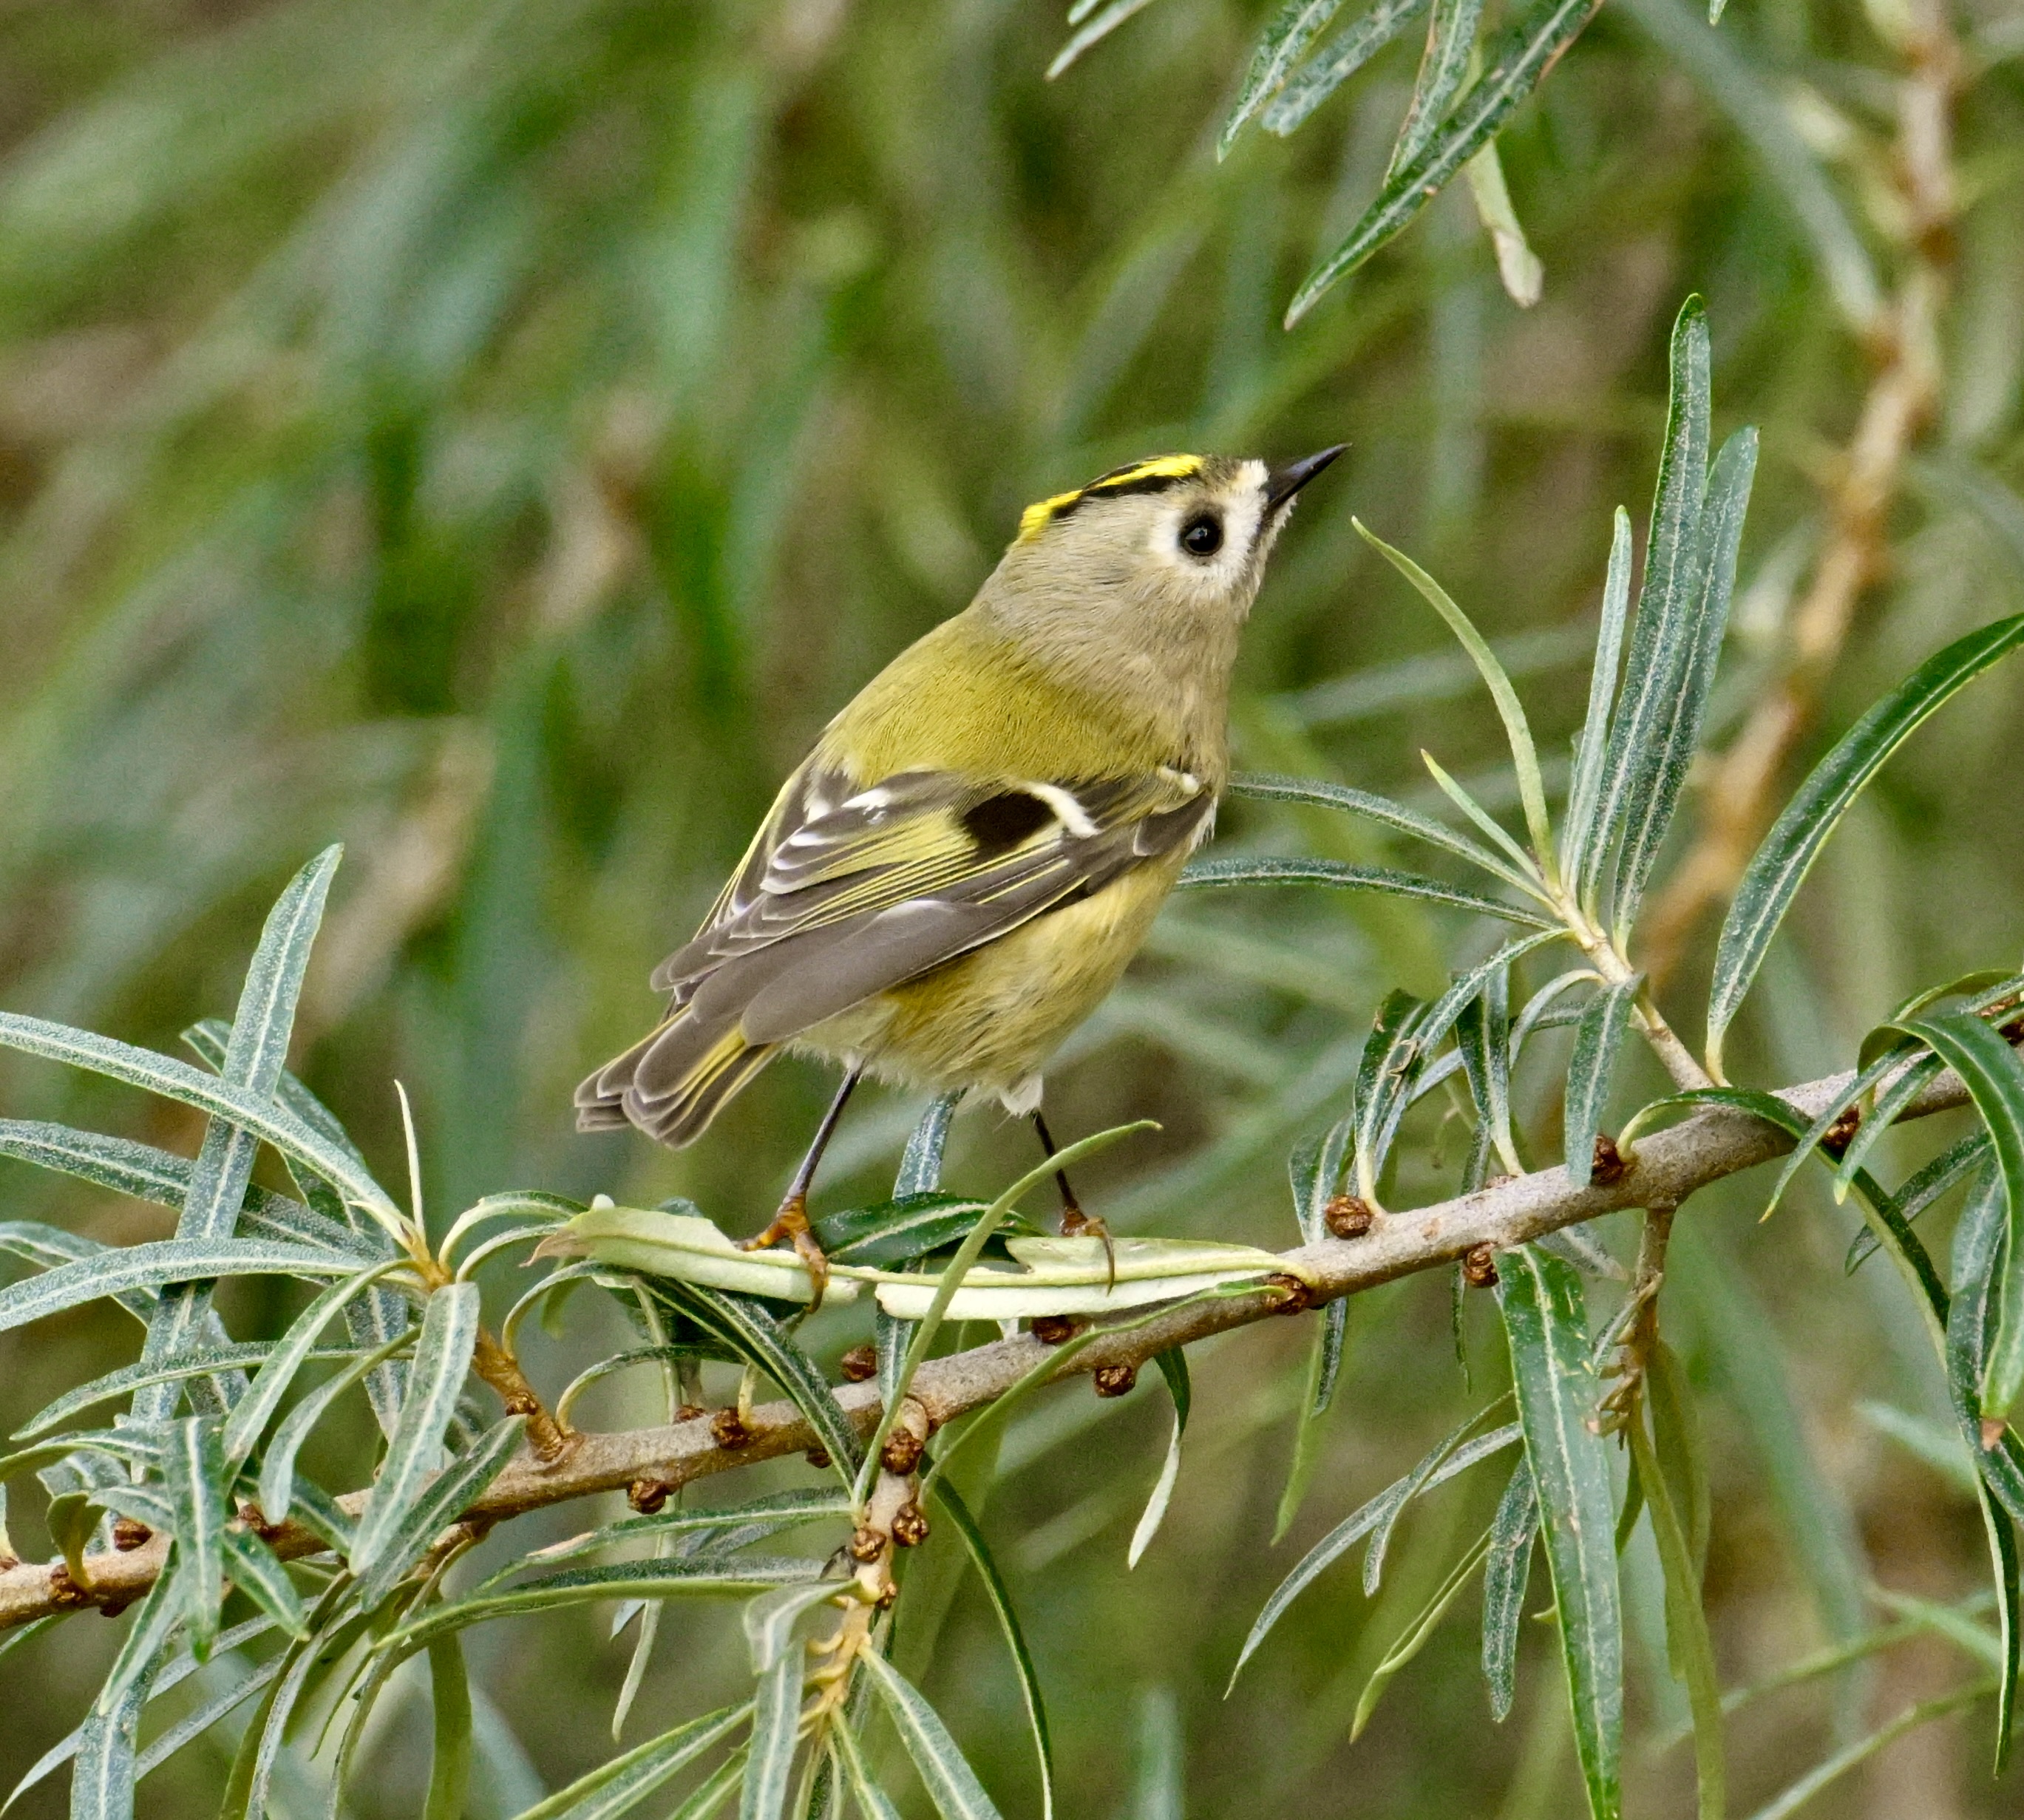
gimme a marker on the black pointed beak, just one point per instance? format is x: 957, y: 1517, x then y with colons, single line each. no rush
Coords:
x: 1282, y: 484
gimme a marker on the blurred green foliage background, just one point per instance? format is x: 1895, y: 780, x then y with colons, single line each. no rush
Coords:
x: 498, y: 433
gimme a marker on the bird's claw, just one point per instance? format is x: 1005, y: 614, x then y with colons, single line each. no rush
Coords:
x: 1077, y: 1224
x: 791, y: 1224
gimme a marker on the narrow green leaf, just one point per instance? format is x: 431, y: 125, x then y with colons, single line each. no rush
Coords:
x: 114, y: 1271
x: 1889, y: 1106
x: 174, y: 1080
x: 1506, y: 1570
x: 1527, y: 52
x: 193, y: 1477
x: 896, y: 1232
x: 745, y: 1324
x: 1444, y: 1462
x: 1283, y: 43
x: 1443, y: 69
x: 950, y: 1783
x: 921, y: 1162
x: 1544, y: 1320
x: 102, y: 1785
x: 1094, y: 32
x: 1598, y: 1038
x: 733, y: 1526
x: 1687, y: 1636
x: 776, y: 1709
x: 449, y: 1754
x: 1483, y: 1034
x: 614, y: 1788
x: 195, y: 1724
x: 257, y: 1571
x: 1413, y: 1638
x: 1995, y: 1079
x: 1452, y: 1456
x: 1517, y: 730
x: 715, y: 1791
x: 703, y: 1576
x: 1262, y: 870
x: 436, y: 1507
x: 1585, y: 846
x: 1384, y: 1076
x: 1319, y: 793
x: 1174, y: 1367
x: 1000, y: 1595
x: 952, y: 1274
x: 442, y: 1360
x: 872, y: 1801
x: 277, y: 1464
x: 1341, y: 58
x: 250, y: 1416
x: 198, y: 1364
x: 1693, y: 621
x: 1781, y: 863
x: 143, y: 1172
x: 140, y: 1649
x: 769, y: 1620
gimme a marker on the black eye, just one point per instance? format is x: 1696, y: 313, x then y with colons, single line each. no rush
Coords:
x: 1201, y: 536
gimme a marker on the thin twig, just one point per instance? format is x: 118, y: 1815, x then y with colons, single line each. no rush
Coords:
x: 1668, y: 1166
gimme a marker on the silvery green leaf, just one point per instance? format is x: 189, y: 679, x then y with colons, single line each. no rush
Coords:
x: 770, y: 1618
x: 1443, y: 68
x: 872, y: 1801
x: 769, y: 1763
x: 196, y: 1723
x: 921, y: 1162
x: 1541, y: 1300
x: 1293, y: 28
x: 1321, y: 794
x: 1781, y: 862
x: 1265, y: 870
x: 114, y: 1272
x: 1448, y: 1460
x: 1513, y: 70
x: 1095, y: 31
x: 198, y: 1364
x: 278, y: 1492
x: 897, y: 1231
x: 1692, y: 624
x: 194, y: 1478
x: 145, y: 1173
x: 683, y: 1247
x: 1890, y: 1106
x: 1337, y: 61
x: 1585, y: 845
x: 250, y: 1416
x: 257, y: 1571
x: 1598, y: 1038
x: 440, y: 1503
x: 1506, y: 1572
x: 951, y: 1782
x: 705, y: 1577
x: 1483, y: 1034
x: 1455, y: 1453
x: 1924, y: 1186
x: 449, y: 1749
x: 615, y: 1788
x: 101, y: 1786
x: 223, y: 1169
x: 174, y: 1080
x: 753, y: 1521
x: 442, y: 1359
x: 140, y: 1649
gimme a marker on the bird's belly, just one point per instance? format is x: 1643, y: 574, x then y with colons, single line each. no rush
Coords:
x: 989, y: 1019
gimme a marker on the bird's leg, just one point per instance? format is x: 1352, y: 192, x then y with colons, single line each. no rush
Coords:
x: 1075, y: 1223
x: 791, y: 1221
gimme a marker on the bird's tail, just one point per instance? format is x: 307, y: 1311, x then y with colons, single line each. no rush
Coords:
x: 672, y: 1082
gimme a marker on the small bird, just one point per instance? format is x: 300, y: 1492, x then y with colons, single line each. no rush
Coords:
x: 958, y: 874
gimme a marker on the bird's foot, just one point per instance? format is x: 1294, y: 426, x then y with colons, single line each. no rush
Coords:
x: 1077, y: 1224
x: 791, y: 1223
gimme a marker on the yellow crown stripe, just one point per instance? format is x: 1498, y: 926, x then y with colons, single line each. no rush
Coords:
x: 1036, y: 518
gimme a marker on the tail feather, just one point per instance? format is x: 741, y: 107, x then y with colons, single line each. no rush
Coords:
x: 672, y: 1082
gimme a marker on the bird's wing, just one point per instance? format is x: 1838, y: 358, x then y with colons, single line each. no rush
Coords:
x: 850, y: 890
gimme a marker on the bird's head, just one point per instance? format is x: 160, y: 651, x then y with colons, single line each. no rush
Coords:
x: 1158, y: 561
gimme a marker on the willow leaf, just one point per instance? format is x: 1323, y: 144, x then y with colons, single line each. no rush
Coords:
x: 1202, y: 874
x: 1598, y: 1040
